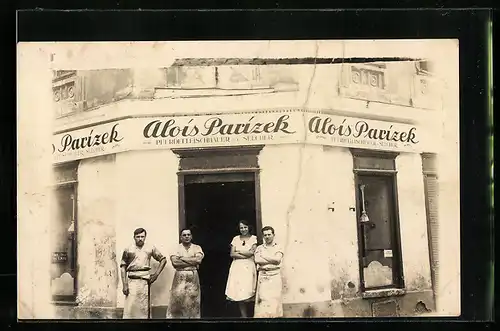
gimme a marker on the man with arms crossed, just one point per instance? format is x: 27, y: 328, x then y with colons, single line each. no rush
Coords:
x: 269, y: 294
x: 136, y: 277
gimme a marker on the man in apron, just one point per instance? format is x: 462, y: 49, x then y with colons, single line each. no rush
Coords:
x: 269, y: 294
x: 136, y: 277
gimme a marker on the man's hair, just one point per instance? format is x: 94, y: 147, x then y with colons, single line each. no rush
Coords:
x: 185, y: 229
x: 139, y: 231
x: 268, y: 228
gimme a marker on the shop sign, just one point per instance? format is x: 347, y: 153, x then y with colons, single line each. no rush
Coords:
x: 352, y: 132
x: 90, y: 142
x: 228, y: 130
x: 286, y: 127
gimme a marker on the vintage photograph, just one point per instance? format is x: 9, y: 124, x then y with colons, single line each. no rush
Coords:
x: 238, y: 179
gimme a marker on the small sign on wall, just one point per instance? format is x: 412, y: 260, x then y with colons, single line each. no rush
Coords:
x: 387, y: 252
x: 59, y: 257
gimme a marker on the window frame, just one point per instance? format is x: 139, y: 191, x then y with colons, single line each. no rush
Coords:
x: 398, y: 281
x: 73, y: 184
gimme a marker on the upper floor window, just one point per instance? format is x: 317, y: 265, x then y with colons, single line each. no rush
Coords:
x: 64, y: 92
x: 423, y: 67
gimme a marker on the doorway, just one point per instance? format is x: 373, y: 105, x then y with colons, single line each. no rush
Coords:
x: 213, y: 205
x: 380, y: 235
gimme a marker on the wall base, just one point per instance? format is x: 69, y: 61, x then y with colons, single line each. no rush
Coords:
x: 75, y: 312
x: 408, y: 305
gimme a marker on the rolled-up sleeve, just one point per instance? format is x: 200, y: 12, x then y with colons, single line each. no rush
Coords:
x: 125, y: 259
x: 157, y: 255
x: 257, y: 255
x: 279, y: 250
x: 199, y: 250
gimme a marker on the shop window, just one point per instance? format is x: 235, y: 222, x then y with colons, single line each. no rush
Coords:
x: 63, y: 236
x: 378, y: 223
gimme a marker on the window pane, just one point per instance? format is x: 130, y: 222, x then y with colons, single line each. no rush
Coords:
x: 65, y: 174
x: 62, y: 238
x: 380, y: 265
x: 378, y: 202
x: 366, y: 162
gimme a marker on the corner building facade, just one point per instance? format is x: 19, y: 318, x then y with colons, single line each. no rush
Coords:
x: 345, y: 172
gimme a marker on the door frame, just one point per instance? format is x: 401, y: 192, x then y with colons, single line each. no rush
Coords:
x: 182, y: 197
x: 395, y: 227
x: 226, y: 159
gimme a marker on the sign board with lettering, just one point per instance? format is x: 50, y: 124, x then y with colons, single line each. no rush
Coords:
x: 227, y: 130
x: 284, y: 127
x: 359, y: 133
x: 59, y: 257
x: 387, y: 252
x: 94, y: 141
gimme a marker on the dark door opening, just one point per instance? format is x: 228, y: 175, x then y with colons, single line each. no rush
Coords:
x: 214, y: 204
x: 380, y: 238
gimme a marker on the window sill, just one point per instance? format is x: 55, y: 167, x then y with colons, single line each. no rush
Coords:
x: 384, y: 293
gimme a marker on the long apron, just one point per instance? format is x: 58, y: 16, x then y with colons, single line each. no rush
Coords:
x: 241, y: 280
x: 185, y: 295
x: 269, y: 295
x: 136, y: 302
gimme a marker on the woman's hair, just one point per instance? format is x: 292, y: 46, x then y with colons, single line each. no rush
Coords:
x: 247, y: 223
x: 267, y: 228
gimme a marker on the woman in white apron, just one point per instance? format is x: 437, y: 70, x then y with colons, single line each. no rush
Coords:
x: 242, y: 277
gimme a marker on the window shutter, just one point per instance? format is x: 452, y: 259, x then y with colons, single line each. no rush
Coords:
x: 431, y: 187
x: 431, y: 184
